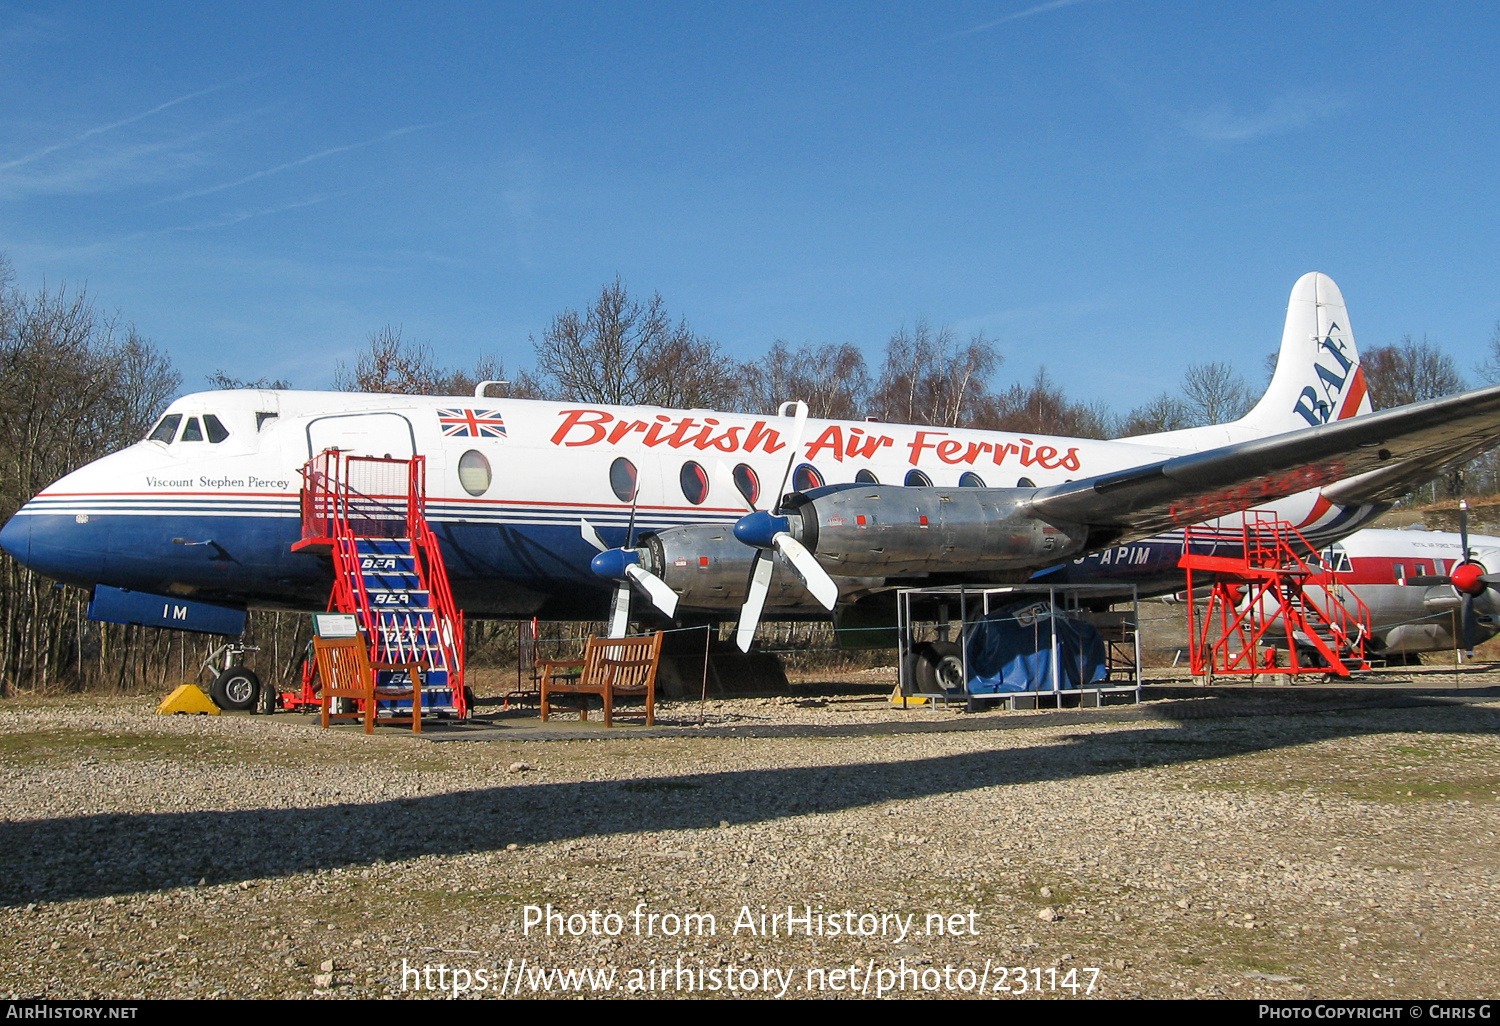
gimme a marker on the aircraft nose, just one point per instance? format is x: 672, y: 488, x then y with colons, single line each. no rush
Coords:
x: 15, y: 538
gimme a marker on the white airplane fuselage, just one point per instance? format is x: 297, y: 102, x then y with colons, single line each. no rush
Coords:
x: 215, y: 520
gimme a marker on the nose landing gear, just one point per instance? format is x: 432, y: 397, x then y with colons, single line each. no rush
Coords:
x: 235, y: 686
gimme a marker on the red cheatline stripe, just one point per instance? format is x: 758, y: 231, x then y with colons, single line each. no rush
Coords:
x: 1319, y: 508
x: 1356, y: 395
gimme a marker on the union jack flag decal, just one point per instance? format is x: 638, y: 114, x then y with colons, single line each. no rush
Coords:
x: 471, y: 423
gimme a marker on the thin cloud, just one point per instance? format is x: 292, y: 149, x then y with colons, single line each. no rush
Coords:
x: 101, y: 129
x: 1287, y: 113
x: 1050, y: 5
x: 310, y: 158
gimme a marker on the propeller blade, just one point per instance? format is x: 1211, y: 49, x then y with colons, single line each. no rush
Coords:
x: 1471, y: 624
x: 794, y: 446
x: 619, y: 611
x: 809, y: 569
x: 592, y: 536
x: 1463, y: 527
x: 662, y: 597
x: 755, y: 601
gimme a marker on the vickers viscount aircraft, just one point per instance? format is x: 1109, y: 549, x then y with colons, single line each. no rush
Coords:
x: 716, y: 514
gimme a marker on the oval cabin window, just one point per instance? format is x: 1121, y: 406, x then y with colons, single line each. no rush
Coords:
x: 474, y: 472
x: 806, y: 477
x: 970, y: 480
x: 694, y: 483
x: 917, y: 479
x: 866, y: 477
x: 622, y: 479
x: 747, y: 483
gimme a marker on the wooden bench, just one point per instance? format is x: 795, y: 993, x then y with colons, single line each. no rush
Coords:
x: 610, y: 668
x: 345, y: 671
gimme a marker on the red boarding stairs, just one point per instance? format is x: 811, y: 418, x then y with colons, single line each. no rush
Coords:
x: 1277, y: 586
x: 368, y: 513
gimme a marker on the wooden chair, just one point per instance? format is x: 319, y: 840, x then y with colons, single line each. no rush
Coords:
x: 610, y: 668
x: 345, y: 671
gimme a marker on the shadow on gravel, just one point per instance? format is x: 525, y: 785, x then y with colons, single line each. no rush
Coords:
x: 92, y: 856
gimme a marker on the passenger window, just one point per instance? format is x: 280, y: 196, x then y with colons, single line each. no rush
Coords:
x: 970, y: 480
x: 917, y: 479
x: 216, y: 431
x: 622, y: 479
x: 1025, y: 482
x: 167, y: 429
x: 866, y: 477
x: 1421, y: 570
x: 806, y: 477
x: 694, y: 481
x: 474, y: 472
x: 1400, y: 571
x: 747, y: 483
x: 192, y: 433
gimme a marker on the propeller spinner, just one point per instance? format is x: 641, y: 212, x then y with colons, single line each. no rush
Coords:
x: 1467, y: 577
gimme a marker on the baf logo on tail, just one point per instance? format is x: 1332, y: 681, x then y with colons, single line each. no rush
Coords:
x: 1340, y: 386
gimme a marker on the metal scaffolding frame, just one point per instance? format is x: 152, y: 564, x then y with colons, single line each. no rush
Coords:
x: 983, y: 596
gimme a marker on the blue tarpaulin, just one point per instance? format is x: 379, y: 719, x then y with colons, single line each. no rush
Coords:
x: 1011, y: 650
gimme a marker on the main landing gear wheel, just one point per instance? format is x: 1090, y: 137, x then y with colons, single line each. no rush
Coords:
x: 937, y: 668
x: 235, y: 688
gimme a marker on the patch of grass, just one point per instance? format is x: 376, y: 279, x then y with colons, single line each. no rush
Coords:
x: 67, y: 744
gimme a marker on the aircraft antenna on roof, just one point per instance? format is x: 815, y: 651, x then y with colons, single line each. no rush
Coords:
x: 479, y: 388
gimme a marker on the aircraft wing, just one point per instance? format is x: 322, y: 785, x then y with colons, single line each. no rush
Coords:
x: 1381, y: 449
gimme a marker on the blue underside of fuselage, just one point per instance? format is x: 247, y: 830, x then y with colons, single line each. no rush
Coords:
x: 495, y: 570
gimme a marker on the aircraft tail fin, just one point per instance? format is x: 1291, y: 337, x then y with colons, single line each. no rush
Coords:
x: 1318, y: 377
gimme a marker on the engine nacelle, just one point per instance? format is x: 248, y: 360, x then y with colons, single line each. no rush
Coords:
x: 709, y: 569
x: 888, y: 530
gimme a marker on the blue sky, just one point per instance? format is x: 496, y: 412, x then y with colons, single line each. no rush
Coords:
x: 1112, y: 188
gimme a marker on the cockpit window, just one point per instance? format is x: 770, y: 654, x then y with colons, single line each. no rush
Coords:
x: 166, y: 428
x: 261, y: 418
x: 192, y: 433
x: 216, y: 430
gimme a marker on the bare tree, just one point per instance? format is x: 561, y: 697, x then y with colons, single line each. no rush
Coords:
x: 1409, y: 371
x: 223, y: 379
x: 624, y: 352
x: 1215, y: 393
x: 928, y: 379
x: 1166, y: 412
x: 74, y: 386
x: 831, y: 379
x: 392, y: 364
x: 1044, y: 407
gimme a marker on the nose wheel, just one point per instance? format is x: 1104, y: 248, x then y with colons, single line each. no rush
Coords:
x: 235, y: 687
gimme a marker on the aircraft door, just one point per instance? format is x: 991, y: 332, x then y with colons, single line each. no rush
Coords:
x: 363, y: 434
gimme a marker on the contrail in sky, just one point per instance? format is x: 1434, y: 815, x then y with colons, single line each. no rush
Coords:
x: 1050, y: 5
x: 39, y: 154
x: 393, y: 133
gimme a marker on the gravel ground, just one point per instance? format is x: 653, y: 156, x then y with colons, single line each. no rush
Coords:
x: 1284, y: 843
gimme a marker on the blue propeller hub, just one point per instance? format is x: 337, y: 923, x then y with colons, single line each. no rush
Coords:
x: 611, y: 563
x: 759, y: 528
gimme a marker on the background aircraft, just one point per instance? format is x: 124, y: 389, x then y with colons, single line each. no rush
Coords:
x: 1419, y: 587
